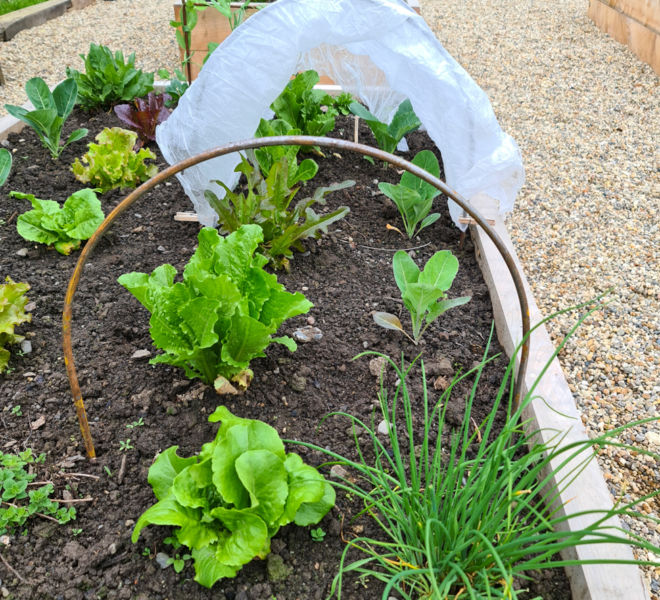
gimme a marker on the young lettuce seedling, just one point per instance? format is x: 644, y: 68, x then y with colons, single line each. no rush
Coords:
x: 422, y: 292
x: 414, y: 197
x: 50, y: 112
x: 388, y: 136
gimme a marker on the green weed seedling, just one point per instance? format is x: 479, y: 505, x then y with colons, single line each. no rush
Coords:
x: 125, y: 445
x: 20, y: 503
x: 318, y: 535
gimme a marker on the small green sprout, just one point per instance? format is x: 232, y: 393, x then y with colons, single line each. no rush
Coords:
x: 134, y: 424
x: 125, y: 445
x: 318, y: 535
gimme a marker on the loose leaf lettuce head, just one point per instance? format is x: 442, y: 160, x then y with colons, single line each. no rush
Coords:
x: 12, y: 314
x: 228, y: 501
x: 62, y: 227
x: 224, y: 312
x: 112, y: 162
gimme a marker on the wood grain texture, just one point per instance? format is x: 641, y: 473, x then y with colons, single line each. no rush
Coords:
x: 635, y: 23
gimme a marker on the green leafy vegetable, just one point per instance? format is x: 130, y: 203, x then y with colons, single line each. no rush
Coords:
x: 108, y: 79
x: 176, y: 87
x: 50, y: 112
x: 228, y: 501
x: 62, y: 227
x: 112, y: 163
x: 267, y: 203
x: 342, y: 103
x: 300, y: 105
x: 268, y: 155
x: 422, y: 292
x: 414, y: 197
x: 5, y: 165
x: 12, y: 314
x: 20, y: 503
x: 223, y: 313
x: 388, y: 136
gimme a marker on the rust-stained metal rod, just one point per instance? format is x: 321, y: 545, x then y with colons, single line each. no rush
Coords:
x: 336, y: 144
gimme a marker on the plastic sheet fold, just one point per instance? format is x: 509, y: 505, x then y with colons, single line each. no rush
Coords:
x: 379, y: 50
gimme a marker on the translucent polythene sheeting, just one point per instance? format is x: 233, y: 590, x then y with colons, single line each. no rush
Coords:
x: 379, y: 50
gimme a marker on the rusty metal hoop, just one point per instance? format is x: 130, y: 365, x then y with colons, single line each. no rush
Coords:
x: 336, y: 144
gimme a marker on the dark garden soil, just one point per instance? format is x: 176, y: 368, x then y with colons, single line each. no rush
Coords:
x: 347, y: 275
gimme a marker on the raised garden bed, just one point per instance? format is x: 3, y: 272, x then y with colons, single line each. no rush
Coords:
x: 347, y: 276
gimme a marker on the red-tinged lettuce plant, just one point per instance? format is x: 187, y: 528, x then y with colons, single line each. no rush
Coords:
x: 228, y: 501
x: 145, y: 114
x: 113, y: 163
x: 63, y: 227
x: 269, y: 202
x: 12, y: 314
x: 224, y: 312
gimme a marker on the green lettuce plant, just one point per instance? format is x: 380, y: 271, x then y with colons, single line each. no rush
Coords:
x: 228, y: 501
x: 388, y: 136
x: 113, y: 163
x: 109, y: 79
x: 50, y: 112
x: 20, y: 503
x: 422, y: 292
x: 224, y: 312
x: 5, y: 165
x: 62, y: 227
x: 268, y: 155
x: 268, y: 203
x: 12, y: 314
x: 414, y: 197
x: 300, y: 104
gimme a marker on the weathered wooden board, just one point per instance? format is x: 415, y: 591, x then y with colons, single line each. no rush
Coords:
x: 635, y: 23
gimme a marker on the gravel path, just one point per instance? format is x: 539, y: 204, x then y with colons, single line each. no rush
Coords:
x: 586, y: 114
x: 127, y: 25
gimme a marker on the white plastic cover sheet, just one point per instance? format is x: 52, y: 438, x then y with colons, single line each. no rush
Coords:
x: 379, y: 50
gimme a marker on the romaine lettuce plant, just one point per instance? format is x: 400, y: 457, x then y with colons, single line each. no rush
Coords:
x: 388, y: 136
x: 12, y: 314
x: 108, y: 79
x: 300, y: 105
x: 414, y: 197
x: 422, y: 292
x: 5, y: 165
x: 112, y: 163
x: 63, y: 227
x: 50, y: 112
x: 228, y: 501
x: 267, y: 204
x: 268, y: 155
x: 144, y: 114
x: 224, y: 312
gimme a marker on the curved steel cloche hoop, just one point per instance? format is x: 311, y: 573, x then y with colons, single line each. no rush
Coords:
x: 335, y: 144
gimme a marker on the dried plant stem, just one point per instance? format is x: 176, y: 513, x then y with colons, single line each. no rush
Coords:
x: 11, y: 569
x: 38, y: 514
